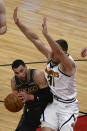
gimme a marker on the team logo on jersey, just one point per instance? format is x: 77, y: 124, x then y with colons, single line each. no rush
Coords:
x: 28, y: 90
x: 52, y: 73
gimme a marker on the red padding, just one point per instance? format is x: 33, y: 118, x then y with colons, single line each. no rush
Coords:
x: 81, y: 124
x: 38, y: 129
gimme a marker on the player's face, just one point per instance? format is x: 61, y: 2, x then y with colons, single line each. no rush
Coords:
x: 21, y: 72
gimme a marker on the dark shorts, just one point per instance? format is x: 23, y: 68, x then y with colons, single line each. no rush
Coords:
x: 30, y: 120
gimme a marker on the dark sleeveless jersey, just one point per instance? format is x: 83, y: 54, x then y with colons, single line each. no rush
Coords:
x: 30, y: 119
x: 29, y: 86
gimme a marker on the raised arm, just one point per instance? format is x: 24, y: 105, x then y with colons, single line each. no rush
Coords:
x: 3, y: 26
x: 59, y: 54
x: 32, y: 36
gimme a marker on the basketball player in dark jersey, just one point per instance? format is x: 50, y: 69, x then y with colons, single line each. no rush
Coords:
x: 3, y: 26
x: 32, y: 88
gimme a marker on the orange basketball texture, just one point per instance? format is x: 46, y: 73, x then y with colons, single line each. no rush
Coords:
x: 13, y: 103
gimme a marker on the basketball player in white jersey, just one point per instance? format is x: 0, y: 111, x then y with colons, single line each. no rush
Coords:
x: 61, y: 115
x: 3, y: 26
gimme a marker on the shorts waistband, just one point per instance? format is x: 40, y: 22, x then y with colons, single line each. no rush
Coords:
x: 64, y: 101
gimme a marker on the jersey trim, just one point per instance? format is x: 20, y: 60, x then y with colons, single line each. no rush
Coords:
x: 63, y: 73
x: 72, y: 116
x: 64, y: 101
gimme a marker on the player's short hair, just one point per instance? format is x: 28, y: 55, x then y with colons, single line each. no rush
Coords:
x: 17, y: 63
x: 63, y: 44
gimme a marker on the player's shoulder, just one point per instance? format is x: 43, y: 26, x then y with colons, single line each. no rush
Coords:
x: 38, y: 72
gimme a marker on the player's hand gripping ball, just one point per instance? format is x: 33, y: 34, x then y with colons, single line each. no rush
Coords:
x: 13, y: 103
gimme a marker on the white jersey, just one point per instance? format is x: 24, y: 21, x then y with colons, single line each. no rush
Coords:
x: 62, y: 85
x: 63, y: 111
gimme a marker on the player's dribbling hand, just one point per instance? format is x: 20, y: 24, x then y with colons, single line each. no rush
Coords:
x: 25, y: 97
x: 84, y: 52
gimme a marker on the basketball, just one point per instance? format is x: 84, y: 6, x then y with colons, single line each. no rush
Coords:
x: 13, y: 103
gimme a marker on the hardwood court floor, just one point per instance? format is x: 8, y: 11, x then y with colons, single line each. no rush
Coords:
x: 66, y: 19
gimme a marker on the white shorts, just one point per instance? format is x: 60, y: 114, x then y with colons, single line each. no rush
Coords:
x: 60, y: 116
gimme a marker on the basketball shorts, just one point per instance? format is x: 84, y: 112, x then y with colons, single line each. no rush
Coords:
x: 60, y: 116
